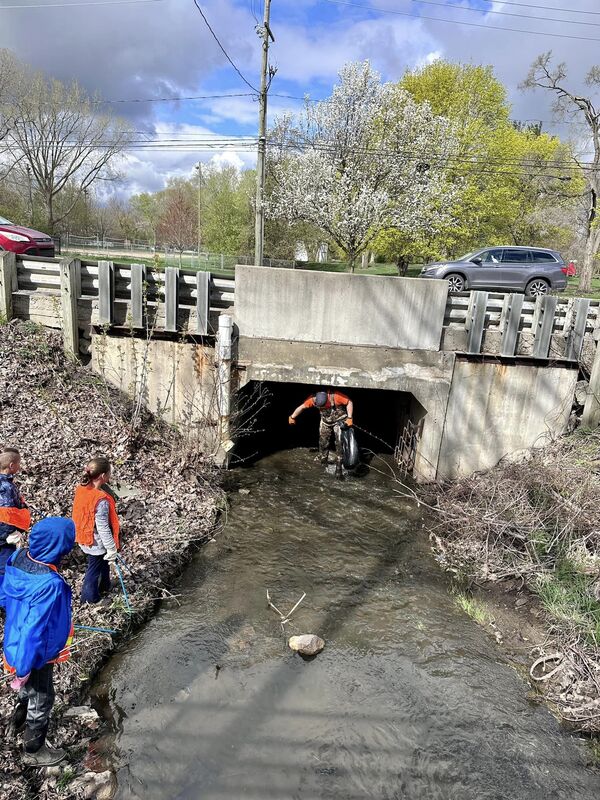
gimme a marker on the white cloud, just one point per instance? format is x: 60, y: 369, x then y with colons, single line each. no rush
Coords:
x: 149, y: 169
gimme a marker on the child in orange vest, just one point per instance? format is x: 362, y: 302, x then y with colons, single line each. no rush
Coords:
x: 96, y: 527
x: 14, y: 514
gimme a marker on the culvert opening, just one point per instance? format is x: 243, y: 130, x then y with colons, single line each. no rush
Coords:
x: 386, y: 422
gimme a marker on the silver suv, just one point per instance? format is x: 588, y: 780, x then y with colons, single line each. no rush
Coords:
x: 532, y: 270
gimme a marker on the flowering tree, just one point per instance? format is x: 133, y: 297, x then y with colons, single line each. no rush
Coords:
x: 369, y: 158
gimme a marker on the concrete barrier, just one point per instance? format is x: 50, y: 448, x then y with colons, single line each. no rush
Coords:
x: 329, y: 307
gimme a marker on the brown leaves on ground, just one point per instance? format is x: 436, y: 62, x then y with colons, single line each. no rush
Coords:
x: 59, y: 414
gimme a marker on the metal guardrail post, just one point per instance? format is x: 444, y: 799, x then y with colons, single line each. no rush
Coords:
x: 203, y: 280
x: 138, y: 281
x: 543, y: 325
x: 106, y: 292
x: 8, y: 283
x: 171, y: 298
x: 68, y: 296
x: 476, y: 321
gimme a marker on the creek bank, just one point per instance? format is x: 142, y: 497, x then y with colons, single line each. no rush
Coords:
x: 59, y: 415
x: 527, y: 536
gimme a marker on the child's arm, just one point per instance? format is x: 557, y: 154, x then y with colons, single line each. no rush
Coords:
x: 104, y: 530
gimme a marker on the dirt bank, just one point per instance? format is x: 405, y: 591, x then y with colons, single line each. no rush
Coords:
x: 528, y: 536
x: 59, y: 415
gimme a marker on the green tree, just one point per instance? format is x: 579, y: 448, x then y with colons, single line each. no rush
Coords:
x: 506, y: 172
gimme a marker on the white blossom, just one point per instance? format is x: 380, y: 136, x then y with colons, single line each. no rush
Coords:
x: 367, y: 159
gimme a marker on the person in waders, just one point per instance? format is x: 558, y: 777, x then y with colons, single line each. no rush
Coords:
x: 335, y: 409
x: 38, y: 632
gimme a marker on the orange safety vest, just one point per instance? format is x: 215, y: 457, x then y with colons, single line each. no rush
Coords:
x: 84, y: 514
x: 17, y: 517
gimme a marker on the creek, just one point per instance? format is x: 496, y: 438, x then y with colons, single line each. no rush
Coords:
x: 409, y: 700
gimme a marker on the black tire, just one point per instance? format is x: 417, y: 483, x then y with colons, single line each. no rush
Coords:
x: 538, y: 287
x: 456, y: 283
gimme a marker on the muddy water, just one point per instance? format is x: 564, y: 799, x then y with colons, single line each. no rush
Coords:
x: 410, y: 699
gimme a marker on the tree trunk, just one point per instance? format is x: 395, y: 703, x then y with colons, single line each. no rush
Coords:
x: 352, y: 260
x: 402, y: 265
x: 592, y: 245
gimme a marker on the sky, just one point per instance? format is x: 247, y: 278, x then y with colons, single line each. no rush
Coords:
x: 144, y: 50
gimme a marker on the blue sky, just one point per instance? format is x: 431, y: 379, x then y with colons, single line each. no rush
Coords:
x: 163, y: 48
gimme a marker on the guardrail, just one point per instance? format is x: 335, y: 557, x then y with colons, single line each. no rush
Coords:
x: 75, y: 295
x: 548, y: 326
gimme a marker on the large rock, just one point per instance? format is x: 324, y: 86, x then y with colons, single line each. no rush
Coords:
x: 307, y: 645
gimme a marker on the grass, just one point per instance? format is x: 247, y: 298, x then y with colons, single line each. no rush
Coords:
x: 67, y: 775
x: 567, y: 596
x: 572, y: 289
x: 472, y: 607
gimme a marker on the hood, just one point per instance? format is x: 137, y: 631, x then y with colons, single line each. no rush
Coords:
x: 24, y: 231
x: 51, y: 539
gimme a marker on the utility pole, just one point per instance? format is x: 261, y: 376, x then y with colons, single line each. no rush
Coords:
x: 265, y: 80
x: 199, y: 168
x: 28, y: 168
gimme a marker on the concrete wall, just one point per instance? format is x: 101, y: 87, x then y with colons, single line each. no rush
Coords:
x: 496, y: 410
x: 175, y: 380
x: 331, y: 307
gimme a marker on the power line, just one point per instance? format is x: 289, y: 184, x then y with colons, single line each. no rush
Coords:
x: 87, y: 5
x: 545, y: 8
x: 176, y: 99
x: 451, y: 3
x: 459, y: 22
x: 225, y: 53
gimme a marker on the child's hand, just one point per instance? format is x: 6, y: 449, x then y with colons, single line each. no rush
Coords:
x: 18, y: 683
x: 110, y: 556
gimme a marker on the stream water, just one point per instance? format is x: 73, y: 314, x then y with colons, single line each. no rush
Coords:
x: 409, y: 700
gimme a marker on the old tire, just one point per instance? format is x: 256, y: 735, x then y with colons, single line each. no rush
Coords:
x: 456, y: 283
x: 537, y: 288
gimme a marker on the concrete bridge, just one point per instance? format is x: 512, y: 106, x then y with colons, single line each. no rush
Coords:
x: 451, y: 383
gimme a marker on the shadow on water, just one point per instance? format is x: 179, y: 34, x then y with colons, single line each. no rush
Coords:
x: 409, y: 699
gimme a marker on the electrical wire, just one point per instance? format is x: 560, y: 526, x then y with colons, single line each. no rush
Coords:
x: 87, y: 5
x: 543, y: 8
x: 379, y: 10
x: 506, y: 13
x: 176, y: 99
x: 225, y: 53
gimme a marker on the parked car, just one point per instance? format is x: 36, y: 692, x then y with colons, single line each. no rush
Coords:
x: 24, y: 240
x: 533, y: 270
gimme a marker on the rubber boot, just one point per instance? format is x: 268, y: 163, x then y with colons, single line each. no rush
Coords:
x: 18, y: 717
x: 46, y: 756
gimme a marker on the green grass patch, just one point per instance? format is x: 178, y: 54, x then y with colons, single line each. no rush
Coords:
x: 472, y: 607
x: 567, y: 596
x: 65, y: 778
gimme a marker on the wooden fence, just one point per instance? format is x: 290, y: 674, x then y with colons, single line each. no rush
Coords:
x: 75, y: 295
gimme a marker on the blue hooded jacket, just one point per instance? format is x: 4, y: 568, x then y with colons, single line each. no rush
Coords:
x: 38, y: 599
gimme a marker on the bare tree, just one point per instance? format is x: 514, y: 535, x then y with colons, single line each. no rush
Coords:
x: 543, y: 75
x: 177, y: 224
x: 64, y: 139
x: 8, y: 73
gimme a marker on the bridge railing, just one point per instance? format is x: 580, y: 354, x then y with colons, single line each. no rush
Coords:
x: 75, y: 295
x: 510, y: 324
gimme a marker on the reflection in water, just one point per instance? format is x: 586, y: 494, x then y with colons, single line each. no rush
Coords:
x: 409, y: 699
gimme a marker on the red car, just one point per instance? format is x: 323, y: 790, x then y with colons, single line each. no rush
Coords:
x: 24, y: 240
